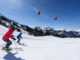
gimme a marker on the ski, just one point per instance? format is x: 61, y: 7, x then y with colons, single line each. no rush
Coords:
x: 22, y: 44
x: 17, y: 49
x: 13, y: 49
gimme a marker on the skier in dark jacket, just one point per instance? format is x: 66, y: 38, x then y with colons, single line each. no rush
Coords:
x: 19, y: 37
x: 7, y: 36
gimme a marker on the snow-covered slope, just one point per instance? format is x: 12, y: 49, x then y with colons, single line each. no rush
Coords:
x: 41, y: 48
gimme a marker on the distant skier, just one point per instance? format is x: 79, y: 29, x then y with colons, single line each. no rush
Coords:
x: 19, y: 37
x: 7, y: 36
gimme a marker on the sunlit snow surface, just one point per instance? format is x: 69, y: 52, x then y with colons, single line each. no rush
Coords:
x: 41, y: 48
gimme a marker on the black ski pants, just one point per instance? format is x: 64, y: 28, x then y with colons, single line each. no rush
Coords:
x: 8, y: 43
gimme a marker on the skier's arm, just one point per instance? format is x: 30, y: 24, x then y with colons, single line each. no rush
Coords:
x: 21, y: 37
x: 14, y: 39
x: 11, y: 37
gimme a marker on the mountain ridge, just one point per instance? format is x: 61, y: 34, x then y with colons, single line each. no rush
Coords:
x: 38, y: 31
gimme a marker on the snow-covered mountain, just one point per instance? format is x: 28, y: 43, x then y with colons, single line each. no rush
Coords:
x: 38, y: 31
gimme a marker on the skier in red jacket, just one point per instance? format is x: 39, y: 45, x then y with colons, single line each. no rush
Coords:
x: 7, y: 36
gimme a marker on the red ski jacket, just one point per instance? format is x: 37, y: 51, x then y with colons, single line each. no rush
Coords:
x: 8, y: 34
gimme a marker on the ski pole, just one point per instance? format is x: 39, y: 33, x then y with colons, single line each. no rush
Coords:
x: 2, y: 45
x: 16, y: 46
x: 23, y: 41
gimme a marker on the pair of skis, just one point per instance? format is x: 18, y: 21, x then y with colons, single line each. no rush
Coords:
x: 15, y: 49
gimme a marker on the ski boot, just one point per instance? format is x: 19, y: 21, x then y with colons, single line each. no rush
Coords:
x: 7, y: 49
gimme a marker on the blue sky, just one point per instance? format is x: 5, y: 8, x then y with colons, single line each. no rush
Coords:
x: 25, y: 12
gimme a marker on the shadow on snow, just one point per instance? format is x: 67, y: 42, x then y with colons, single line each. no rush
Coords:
x: 11, y: 56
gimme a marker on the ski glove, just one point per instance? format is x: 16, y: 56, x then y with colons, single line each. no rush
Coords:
x: 14, y: 39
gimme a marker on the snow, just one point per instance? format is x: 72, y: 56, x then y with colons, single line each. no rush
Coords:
x: 41, y: 48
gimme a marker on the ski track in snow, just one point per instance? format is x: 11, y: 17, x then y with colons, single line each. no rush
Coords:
x: 42, y: 48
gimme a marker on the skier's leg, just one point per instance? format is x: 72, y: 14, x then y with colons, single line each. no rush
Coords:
x: 18, y: 41
x: 8, y: 43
